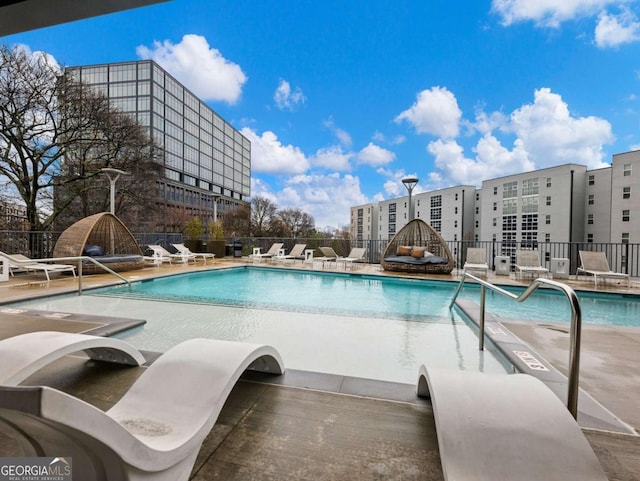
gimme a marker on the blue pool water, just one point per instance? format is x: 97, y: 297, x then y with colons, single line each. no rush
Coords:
x: 372, y: 296
x: 348, y: 324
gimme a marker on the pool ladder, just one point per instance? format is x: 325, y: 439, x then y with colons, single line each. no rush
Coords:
x: 574, y: 334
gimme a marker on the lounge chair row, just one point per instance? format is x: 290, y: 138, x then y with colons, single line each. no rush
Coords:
x: 300, y: 252
x: 488, y: 426
x: 592, y: 263
x: 159, y: 255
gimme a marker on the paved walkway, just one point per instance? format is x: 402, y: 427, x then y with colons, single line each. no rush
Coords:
x: 276, y: 431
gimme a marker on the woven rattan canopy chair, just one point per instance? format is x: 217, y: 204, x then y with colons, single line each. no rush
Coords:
x: 104, y: 237
x: 417, y: 247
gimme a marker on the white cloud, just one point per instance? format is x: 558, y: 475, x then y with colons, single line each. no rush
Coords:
x: 546, y: 134
x: 548, y: 13
x: 435, y: 112
x: 551, y: 136
x: 393, y: 186
x: 492, y: 160
x: 333, y: 157
x: 614, y: 30
x: 285, y: 98
x: 375, y: 156
x: 268, y: 155
x: 327, y: 198
x: 342, y: 135
x: 201, y: 68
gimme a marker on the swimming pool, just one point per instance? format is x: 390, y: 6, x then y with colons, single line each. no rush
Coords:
x: 372, y: 296
x: 365, y: 326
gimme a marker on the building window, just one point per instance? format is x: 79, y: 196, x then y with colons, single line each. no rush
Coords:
x: 626, y: 192
x: 590, y: 219
x: 436, y: 201
x: 625, y: 215
x: 530, y: 186
x: 548, y: 200
x: 547, y: 219
x: 627, y: 170
x: 509, y: 190
x: 495, y: 222
x: 455, y: 223
x: 591, y: 199
x: 547, y: 237
x: 625, y: 238
x: 456, y: 196
x: 455, y: 210
x: 592, y: 180
x: 530, y: 204
x: 477, y: 196
x: 495, y: 206
x: 477, y: 210
x: 548, y: 181
x: 510, y: 206
x: 477, y: 226
x: 495, y: 190
x: 589, y: 238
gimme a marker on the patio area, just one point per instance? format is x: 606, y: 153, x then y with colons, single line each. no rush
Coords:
x: 306, y: 425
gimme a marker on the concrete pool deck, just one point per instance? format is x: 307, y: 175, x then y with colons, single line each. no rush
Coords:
x: 315, y: 426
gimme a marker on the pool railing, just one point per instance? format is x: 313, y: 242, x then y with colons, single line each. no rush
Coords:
x: 575, y: 329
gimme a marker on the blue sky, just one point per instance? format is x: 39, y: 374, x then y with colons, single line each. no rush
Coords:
x: 341, y: 99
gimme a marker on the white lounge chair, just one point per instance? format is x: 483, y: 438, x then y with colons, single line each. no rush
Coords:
x: 595, y: 264
x: 21, y: 263
x: 156, y: 429
x: 258, y: 255
x: 328, y: 255
x: 355, y: 255
x: 23, y: 355
x: 160, y: 255
x: 296, y: 252
x: 505, y: 426
x: 528, y: 262
x: 186, y: 252
x: 476, y: 260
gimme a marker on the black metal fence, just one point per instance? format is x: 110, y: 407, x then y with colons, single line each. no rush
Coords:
x: 622, y: 257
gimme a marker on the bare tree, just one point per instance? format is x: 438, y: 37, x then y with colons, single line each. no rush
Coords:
x: 262, y: 212
x: 237, y: 222
x: 296, y: 222
x: 56, y: 134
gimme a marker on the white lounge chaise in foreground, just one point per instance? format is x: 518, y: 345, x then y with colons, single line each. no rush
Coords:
x: 156, y: 429
x: 504, y: 427
x: 595, y: 264
x: 23, y: 355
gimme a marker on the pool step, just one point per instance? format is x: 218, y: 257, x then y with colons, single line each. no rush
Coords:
x: 591, y: 414
x: 505, y: 427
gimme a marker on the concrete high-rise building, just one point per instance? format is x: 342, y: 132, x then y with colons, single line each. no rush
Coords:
x: 207, y: 162
x: 364, y: 223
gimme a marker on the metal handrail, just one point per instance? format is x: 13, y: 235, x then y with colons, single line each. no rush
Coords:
x: 79, y: 259
x: 575, y: 331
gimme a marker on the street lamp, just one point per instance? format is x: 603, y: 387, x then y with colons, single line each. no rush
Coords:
x: 410, y: 182
x: 113, y: 175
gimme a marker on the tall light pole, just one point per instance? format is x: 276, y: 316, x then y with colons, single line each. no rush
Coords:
x: 113, y: 175
x: 410, y: 182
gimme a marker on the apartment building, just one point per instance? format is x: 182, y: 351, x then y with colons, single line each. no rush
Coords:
x: 565, y: 203
x: 625, y: 191
x: 449, y: 211
x: 364, y: 222
x: 393, y: 214
x: 207, y: 162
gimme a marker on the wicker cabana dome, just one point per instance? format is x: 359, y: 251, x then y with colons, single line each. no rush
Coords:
x: 104, y: 237
x: 417, y: 233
